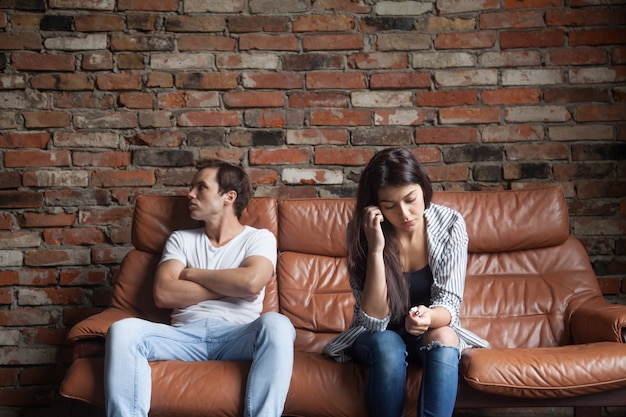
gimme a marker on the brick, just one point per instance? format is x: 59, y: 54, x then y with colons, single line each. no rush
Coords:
x: 381, y: 99
x: 136, y: 100
x: 101, y: 60
x: 43, y: 62
x: 527, y: 170
x: 19, y: 239
x: 597, y: 75
x: 206, y: 81
x: 436, y: 60
x: 160, y: 6
x: 577, y: 56
x: 385, y: 23
x: 136, y: 178
x: 99, y: 22
x: 478, y: 40
x: 402, y: 41
x: 543, y: 114
x: 256, y: 137
x: 406, y: 117
x: 130, y: 61
x: 598, y: 113
x: 160, y: 157
x: 86, y: 139
x: 278, y: 81
x: 20, y: 41
x: 395, y: 80
x: 49, y: 296
x: 126, y: 81
x: 598, y: 152
x: 602, y: 227
x: 311, y: 176
x: 215, y: 6
x: 530, y: 4
x: 70, y: 82
x: 11, y: 258
x: 309, y: 100
x: 600, y: 189
x: 475, y: 115
x: 244, y: 24
x: 182, y: 61
x: 444, y: 135
x: 56, y: 178
x: 512, y: 96
x: 145, y: 22
x: 77, y: 236
x: 473, y: 153
x: 323, y: 23
x: 438, y: 24
x: 268, y: 42
x: 332, y: 42
x: 155, y: 119
x: 470, y: 77
x: 82, y: 277
x: 581, y: 17
x: 24, y: 140
x: 12, y: 81
x: 160, y: 80
x: 340, y: 117
x: 278, y: 6
x: 36, y: 158
x: 209, y: 118
x: 253, y: 99
x: 31, y: 219
x: 20, y: 199
x: 543, y: 151
x: 53, y: 257
x: 588, y: 171
x: 114, y: 216
x: 264, y: 118
x: 10, y: 180
x: 77, y: 197
x: 150, y: 42
x: 453, y: 6
x: 311, y: 62
x: 510, y: 59
x: 446, y: 98
x: 581, y: 132
x: 596, y: 37
x: 512, y: 133
x: 385, y: 136
x: 513, y: 77
x: 534, y: 39
x: 26, y: 21
x: 195, y: 23
x: 232, y: 155
x: 206, y: 43
x: 574, y: 95
x: 279, y: 156
x: 255, y: 61
x: 83, y: 4
x: 160, y: 139
x: 71, y: 100
x: 18, y: 101
x: 105, y: 120
x: 316, y: 136
x: 511, y: 20
x: 87, y: 42
x: 345, y: 157
x: 379, y: 60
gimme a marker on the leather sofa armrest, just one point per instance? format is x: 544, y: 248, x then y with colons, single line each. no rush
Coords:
x: 96, y: 326
x: 598, y: 321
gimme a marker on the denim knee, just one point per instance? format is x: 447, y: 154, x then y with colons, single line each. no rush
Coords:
x: 277, y: 326
x: 385, y: 348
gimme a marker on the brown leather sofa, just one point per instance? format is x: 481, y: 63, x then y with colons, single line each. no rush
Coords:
x: 530, y: 291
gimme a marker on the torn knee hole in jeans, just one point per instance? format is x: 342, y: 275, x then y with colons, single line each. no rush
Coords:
x: 436, y: 344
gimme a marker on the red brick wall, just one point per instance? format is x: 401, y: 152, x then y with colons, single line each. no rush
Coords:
x: 104, y: 100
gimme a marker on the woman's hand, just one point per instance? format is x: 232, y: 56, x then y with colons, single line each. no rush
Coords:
x: 372, y: 218
x: 418, y: 320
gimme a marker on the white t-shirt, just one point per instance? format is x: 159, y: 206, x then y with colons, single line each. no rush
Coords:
x: 194, y: 250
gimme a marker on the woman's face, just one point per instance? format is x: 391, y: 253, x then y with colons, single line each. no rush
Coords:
x: 402, y: 206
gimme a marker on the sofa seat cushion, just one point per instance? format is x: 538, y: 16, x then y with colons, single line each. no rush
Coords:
x: 548, y: 372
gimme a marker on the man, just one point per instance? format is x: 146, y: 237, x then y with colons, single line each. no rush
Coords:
x: 213, y: 278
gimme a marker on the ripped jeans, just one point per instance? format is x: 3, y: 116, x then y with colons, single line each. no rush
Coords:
x: 386, y: 354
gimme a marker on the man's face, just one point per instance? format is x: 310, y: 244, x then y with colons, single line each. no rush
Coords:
x: 205, y: 200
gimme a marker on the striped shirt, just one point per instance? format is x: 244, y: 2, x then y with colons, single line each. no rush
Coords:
x: 447, y: 257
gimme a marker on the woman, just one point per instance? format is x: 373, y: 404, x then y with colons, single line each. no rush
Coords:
x: 406, y: 261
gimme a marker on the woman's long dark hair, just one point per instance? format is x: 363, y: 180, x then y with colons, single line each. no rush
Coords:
x: 389, y: 167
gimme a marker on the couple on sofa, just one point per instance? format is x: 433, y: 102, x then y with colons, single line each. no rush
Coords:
x: 406, y: 261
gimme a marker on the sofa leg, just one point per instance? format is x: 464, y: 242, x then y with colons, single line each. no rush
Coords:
x: 587, y: 411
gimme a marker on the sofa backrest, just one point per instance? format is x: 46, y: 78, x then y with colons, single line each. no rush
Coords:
x: 155, y: 218
x: 523, y: 269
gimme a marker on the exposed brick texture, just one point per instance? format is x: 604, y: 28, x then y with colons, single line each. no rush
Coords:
x: 103, y: 100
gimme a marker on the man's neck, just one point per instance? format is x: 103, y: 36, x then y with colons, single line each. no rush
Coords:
x: 223, y: 231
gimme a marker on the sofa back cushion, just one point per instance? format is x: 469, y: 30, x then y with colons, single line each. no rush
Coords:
x: 155, y: 218
x: 523, y: 268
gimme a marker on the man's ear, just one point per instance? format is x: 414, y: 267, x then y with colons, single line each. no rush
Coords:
x: 231, y: 196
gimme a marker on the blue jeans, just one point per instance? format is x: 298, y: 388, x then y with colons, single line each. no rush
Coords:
x: 386, y: 354
x: 131, y: 343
